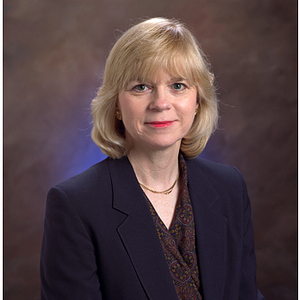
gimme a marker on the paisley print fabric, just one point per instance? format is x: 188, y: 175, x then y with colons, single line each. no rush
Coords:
x: 178, y: 243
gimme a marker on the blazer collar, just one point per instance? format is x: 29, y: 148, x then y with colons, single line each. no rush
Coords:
x: 138, y: 232
x: 211, y: 232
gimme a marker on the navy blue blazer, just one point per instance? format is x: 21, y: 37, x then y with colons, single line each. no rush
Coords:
x: 100, y: 241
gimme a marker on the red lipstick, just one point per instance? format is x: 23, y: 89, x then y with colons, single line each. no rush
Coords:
x: 160, y: 124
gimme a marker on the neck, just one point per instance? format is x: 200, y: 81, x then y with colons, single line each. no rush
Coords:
x: 157, y: 170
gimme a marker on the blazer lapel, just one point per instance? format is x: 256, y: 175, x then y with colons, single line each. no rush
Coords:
x: 211, y: 237
x: 138, y: 233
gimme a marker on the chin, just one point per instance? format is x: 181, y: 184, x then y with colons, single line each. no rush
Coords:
x: 164, y: 145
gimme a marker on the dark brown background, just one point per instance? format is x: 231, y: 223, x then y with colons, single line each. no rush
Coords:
x: 54, y: 53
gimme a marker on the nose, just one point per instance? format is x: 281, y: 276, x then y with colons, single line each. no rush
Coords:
x: 160, y: 100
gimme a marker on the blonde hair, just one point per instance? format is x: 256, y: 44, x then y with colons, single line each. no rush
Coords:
x: 154, y: 44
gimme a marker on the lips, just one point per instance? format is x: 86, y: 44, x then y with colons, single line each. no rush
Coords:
x: 160, y: 124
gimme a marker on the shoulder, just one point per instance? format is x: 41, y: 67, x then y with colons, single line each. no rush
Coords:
x: 220, y: 176
x: 212, y: 169
x: 89, y: 193
x: 95, y: 180
x: 93, y: 176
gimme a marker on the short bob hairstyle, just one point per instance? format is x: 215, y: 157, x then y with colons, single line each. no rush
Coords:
x: 145, y: 48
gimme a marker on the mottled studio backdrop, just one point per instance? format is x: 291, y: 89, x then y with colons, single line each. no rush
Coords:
x: 54, y: 54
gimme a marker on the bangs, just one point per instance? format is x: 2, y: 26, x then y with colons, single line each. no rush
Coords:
x: 178, y: 63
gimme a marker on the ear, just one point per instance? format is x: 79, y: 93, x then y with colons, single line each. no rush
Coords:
x: 198, y: 101
x: 117, y: 106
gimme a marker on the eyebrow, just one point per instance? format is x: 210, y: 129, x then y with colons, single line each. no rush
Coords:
x: 172, y: 79
x: 177, y: 79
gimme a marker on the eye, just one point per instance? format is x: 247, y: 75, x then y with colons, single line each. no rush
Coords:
x: 140, y: 88
x: 178, y: 86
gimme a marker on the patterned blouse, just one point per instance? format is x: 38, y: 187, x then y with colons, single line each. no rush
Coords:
x: 178, y: 243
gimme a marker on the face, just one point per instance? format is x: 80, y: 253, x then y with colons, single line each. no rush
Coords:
x: 157, y: 114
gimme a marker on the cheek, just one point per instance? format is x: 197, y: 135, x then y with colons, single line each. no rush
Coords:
x: 189, y: 108
x: 131, y: 115
x: 125, y: 106
x: 189, y: 113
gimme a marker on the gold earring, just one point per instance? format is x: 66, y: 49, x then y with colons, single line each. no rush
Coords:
x: 196, y: 111
x: 118, y: 115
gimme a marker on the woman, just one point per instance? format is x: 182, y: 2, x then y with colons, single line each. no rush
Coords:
x: 151, y: 221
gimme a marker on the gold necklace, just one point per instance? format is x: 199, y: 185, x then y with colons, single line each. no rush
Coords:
x: 165, y: 192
